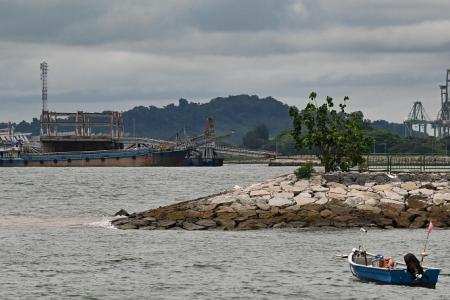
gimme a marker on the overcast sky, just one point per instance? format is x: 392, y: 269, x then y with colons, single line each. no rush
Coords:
x: 117, y: 54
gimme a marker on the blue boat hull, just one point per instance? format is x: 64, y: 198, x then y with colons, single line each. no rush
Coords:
x: 397, y: 276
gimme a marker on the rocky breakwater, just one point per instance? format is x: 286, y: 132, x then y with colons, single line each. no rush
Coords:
x: 335, y: 199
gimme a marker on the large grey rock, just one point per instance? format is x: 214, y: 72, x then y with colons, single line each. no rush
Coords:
x: 409, y: 185
x: 358, y: 187
x: 362, y: 194
x: 303, y: 200
x: 338, y: 190
x: 335, y: 185
x: 319, y: 188
x: 148, y: 227
x: 372, y: 202
x: 322, y: 201
x: 223, y: 199
x: 274, y: 189
x: 441, y: 198
x: 437, y: 184
x: 252, y: 224
x: 316, y: 180
x: 393, y: 204
x: 287, y: 187
x: 373, y: 209
x: 302, y: 185
x: 382, y: 187
x: 119, y: 221
x: 427, y: 192
x: 291, y: 177
x: 259, y: 193
x: 139, y: 222
x: 340, y: 197
x: 393, y: 195
x: 226, y: 211
x: 262, y: 204
x: 319, y: 195
x: 354, y: 201
x: 400, y: 191
x: 206, y: 223
x: 418, y: 202
x: 127, y: 226
x: 192, y: 226
x: 122, y: 212
x: 326, y: 213
x: 166, y: 223
x: 225, y: 223
x: 277, y: 201
x: 287, y: 195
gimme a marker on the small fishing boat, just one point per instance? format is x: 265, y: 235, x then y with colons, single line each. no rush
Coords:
x: 370, y: 267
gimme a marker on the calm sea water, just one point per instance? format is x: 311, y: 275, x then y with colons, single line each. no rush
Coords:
x: 55, y: 242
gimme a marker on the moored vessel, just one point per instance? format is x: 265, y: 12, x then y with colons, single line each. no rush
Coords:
x: 106, y: 158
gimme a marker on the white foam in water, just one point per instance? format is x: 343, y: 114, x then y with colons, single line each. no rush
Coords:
x: 105, y: 222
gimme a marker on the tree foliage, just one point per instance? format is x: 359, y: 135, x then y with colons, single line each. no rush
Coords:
x: 256, y: 138
x: 337, y: 134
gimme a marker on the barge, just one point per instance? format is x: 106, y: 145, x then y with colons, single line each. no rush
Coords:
x: 85, y: 140
x: 107, y: 158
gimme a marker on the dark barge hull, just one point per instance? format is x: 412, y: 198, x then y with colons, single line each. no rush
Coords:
x: 200, y: 162
x: 109, y: 158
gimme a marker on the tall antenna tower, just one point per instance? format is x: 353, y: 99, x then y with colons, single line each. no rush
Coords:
x: 44, y: 72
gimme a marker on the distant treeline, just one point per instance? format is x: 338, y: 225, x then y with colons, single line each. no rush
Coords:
x: 239, y: 114
x: 258, y: 123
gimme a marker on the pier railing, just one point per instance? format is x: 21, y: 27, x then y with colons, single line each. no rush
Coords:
x: 408, y: 163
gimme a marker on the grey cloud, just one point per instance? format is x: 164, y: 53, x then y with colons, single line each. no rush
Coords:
x: 102, y: 22
x: 120, y: 53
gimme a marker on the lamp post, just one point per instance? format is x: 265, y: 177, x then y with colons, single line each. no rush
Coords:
x: 432, y: 146
x: 374, y: 142
x: 276, y: 147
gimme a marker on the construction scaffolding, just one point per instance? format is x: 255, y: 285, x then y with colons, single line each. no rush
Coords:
x: 82, y: 124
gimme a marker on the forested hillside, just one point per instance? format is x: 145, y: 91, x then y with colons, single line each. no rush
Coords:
x: 234, y: 113
x: 240, y: 114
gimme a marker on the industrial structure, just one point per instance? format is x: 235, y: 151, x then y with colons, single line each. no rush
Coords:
x: 79, y: 131
x: 419, y: 123
x: 98, y: 139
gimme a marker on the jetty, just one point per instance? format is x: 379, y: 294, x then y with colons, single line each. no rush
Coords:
x: 337, y: 199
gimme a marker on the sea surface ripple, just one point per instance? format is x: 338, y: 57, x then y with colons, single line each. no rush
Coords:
x: 56, y: 242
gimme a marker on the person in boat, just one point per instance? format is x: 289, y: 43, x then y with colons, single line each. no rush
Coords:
x: 387, y: 262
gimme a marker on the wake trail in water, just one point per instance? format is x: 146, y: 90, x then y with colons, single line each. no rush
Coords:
x: 55, y: 221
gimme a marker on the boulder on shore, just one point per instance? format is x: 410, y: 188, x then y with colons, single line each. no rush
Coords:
x: 333, y: 199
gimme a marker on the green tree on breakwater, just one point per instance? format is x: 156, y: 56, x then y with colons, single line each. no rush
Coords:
x: 338, y: 135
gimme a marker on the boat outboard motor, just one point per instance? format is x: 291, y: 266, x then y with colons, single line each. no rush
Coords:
x: 413, y: 266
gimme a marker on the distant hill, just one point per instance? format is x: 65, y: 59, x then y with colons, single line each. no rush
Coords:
x: 240, y: 114
x: 237, y: 113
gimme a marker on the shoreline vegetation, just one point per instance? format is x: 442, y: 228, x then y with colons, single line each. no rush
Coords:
x: 337, y: 199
